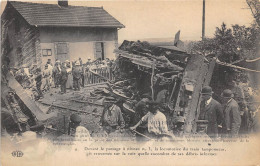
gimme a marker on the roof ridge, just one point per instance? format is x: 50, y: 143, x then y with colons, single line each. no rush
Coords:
x: 43, y: 14
x: 101, y: 7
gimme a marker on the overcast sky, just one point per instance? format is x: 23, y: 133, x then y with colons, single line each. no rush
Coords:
x: 162, y: 19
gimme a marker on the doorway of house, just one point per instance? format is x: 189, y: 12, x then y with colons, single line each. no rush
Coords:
x: 99, y: 50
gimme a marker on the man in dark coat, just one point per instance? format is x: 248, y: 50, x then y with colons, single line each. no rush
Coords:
x: 63, y: 79
x: 231, y: 113
x: 211, y: 111
x: 82, y: 75
x: 76, y: 72
x: 38, y: 79
x: 141, y: 109
x: 56, y: 75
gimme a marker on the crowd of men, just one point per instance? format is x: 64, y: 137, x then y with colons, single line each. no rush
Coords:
x: 63, y: 75
x: 222, y: 119
x: 215, y: 119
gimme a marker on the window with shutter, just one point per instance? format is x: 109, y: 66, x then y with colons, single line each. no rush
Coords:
x: 62, y: 51
x: 62, y: 48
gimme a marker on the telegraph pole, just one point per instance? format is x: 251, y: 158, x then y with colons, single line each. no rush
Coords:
x: 203, y: 20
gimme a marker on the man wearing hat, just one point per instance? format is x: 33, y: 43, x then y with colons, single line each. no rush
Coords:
x: 88, y: 62
x: 210, y: 110
x: 75, y: 127
x: 56, y: 74
x: 38, y: 79
x: 179, y: 130
x: 63, y: 79
x: 231, y: 113
x: 80, y: 133
x: 156, y: 121
x: 112, y: 118
x: 76, y: 73
x: 141, y: 109
x: 46, y: 78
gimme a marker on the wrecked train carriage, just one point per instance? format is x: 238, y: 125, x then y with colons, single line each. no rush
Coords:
x: 20, y: 112
x: 156, y: 69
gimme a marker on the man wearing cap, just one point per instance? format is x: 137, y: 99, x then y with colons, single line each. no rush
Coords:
x: 112, y: 118
x: 156, y: 121
x: 231, y: 113
x: 75, y: 129
x: 211, y: 111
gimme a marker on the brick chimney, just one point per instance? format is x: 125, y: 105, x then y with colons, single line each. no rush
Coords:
x: 63, y: 3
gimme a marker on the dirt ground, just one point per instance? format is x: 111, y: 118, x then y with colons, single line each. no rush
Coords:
x: 60, y: 122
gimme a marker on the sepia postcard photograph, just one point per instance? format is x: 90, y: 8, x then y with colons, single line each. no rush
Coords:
x: 130, y: 82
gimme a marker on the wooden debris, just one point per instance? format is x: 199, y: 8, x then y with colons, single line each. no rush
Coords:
x: 72, y: 109
x: 89, y: 102
x: 12, y: 83
x: 100, y: 76
x: 152, y: 77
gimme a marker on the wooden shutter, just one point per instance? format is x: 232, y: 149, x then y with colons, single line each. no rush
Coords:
x: 98, y: 50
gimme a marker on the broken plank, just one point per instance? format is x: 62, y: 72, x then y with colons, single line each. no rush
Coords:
x: 90, y: 85
x: 72, y: 109
x: 81, y: 101
x: 209, y: 72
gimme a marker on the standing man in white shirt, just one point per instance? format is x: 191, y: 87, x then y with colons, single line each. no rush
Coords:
x: 156, y: 120
x: 211, y: 111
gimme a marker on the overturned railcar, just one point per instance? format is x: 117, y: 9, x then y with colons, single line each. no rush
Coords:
x: 169, y: 75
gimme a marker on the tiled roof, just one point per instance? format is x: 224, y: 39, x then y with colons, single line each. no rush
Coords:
x: 74, y: 16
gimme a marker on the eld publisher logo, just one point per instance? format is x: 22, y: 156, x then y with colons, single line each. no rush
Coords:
x: 17, y: 153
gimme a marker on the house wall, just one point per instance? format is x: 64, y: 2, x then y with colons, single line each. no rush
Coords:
x: 23, y: 40
x: 86, y: 50
x: 27, y: 42
x: 80, y: 41
x: 83, y: 50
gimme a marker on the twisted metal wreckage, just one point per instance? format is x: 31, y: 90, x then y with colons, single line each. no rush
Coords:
x: 169, y: 75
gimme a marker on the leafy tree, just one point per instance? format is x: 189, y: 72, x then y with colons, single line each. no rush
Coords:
x: 230, y: 45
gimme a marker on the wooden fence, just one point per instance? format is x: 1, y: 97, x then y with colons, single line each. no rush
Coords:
x: 99, y: 75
